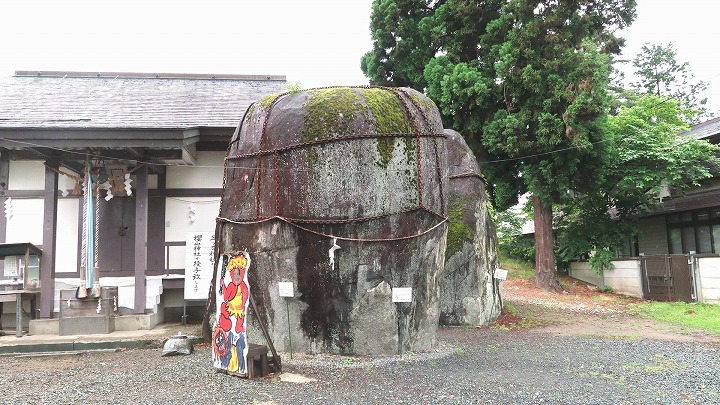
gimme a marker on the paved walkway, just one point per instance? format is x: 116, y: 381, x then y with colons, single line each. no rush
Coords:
x: 119, y: 339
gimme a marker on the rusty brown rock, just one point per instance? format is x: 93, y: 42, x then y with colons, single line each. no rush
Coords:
x: 365, y: 165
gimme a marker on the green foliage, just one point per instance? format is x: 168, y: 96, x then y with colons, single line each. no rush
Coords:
x: 511, y: 241
x: 294, y: 87
x: 516, y: 268
x: 659, y: 73
x: 524, y: 81
x: 607, y: 289
x: 699, y: 316
x: 641, y: 155
x: 401, y: 47
x: 600, y: 261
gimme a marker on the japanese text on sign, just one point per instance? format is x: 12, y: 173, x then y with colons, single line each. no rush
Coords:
x: 199, y: 264
x: 402, y: 294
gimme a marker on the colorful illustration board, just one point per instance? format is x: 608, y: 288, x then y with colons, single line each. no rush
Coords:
x: 229, y: 339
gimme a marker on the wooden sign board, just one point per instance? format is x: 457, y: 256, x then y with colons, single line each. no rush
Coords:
x: 199, y: 264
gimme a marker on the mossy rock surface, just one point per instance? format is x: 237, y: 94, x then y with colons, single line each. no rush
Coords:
x: 469, y: 293
x: 366, y: 165
x: 342, y: 152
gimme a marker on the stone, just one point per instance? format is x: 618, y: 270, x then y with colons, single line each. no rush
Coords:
x: 469, y: 295
x: 177, y: 344
x: 361, y: 168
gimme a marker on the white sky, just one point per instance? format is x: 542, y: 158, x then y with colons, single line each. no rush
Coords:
x: 314, y: 42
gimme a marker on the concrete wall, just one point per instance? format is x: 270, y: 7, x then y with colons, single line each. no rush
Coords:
x: 67, y: 243
x: 26, y: 175
x: 708, y: 284
x: 178, y: 223
x: 126, y: 290
x: 623, y: 279
x: 583, y: 272
x: 207, y: 174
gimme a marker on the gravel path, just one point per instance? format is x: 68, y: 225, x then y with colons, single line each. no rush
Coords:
x: 470, y: 366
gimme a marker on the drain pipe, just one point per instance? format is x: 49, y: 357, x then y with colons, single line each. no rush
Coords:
x: 692, y: 275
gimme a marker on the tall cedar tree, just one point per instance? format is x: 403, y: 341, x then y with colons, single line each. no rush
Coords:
x: 524, y: 81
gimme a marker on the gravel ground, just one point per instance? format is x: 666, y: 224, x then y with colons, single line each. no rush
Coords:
x: 470, y: 366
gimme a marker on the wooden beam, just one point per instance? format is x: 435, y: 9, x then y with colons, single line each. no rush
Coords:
x: 141, y: 232
x: 47, y: 260
x: 186, y: 192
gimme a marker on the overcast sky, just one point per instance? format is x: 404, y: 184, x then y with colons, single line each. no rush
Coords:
x: 314, y: 42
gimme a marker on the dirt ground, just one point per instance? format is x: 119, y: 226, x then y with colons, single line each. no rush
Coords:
x: 585, y: 310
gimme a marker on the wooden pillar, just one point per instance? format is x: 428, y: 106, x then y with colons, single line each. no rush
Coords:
x: 4, y: 177
x: 4, y: 184
x: 47, y: 260
x: 141, y: 231
x: 156, y: 228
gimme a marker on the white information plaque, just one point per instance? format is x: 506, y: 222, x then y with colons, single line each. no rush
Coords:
x: 500, y: 274
x: 402, y: 294
x: 286, y: 289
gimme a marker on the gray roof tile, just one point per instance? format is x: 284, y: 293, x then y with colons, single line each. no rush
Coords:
x: 705, y: 130
x: 82, y: 100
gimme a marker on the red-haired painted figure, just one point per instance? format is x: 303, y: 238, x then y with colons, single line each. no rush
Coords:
x: 229, y: 339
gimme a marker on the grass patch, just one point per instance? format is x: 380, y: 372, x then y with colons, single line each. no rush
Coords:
x: 698, y: 316
x: 517, y: 268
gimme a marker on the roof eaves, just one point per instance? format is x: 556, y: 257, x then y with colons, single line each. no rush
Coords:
x: 140, y: 75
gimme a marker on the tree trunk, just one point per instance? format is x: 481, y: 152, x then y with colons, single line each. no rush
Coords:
x: 545, y: 276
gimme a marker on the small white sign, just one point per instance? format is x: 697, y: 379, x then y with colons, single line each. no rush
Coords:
x: 500, y: 274
x: 402, y: 294
x: 11, y: 266
x: 285, y: 289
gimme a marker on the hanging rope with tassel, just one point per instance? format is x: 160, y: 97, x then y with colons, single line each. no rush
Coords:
x: 96, y: 244
x: 82, y: 289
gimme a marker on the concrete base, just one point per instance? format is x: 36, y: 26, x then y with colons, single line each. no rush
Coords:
x: 137, y: 322
x: 86, y: 325
x: 117, y: 323
x: 44, y: 327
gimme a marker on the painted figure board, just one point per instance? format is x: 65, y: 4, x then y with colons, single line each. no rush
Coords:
x: 229, y: 342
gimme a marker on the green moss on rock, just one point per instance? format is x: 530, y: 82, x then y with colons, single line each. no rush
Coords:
x: 390, y: 118
x: 249, y: 113
x: 458, y: 231
x: 267, y: 101
x: 330, y: 112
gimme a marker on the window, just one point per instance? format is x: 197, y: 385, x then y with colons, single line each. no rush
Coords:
x: 697, y: 231
x: 675, y: 240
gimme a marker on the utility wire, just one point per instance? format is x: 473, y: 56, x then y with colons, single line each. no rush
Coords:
x: 137, y: 161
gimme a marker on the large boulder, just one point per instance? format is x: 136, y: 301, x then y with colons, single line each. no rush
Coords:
x: 468, y: 294
x: 360, y: 168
